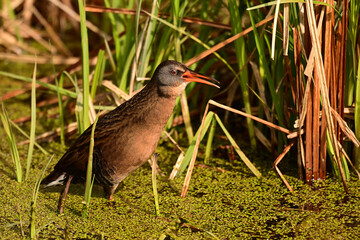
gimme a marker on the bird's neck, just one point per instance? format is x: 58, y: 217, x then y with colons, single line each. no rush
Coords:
x: 154, y: 104
x: 171, y: 92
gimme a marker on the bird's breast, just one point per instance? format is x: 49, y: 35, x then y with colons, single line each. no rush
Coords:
x: 133, y: 143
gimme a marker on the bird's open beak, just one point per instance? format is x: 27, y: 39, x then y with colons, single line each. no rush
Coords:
x: 191, y: 76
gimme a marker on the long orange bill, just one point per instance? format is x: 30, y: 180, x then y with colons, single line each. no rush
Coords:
x: 191, y: 76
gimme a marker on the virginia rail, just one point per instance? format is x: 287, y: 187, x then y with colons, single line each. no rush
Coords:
x: 126, y: 137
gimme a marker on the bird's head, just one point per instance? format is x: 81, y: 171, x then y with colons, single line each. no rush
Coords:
x: 172, y: 78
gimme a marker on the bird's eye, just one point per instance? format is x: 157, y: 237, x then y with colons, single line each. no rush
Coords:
x: 173, y: 72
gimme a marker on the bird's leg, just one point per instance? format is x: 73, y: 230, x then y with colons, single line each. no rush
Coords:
x: 63, y: 195
x: 109, y: 191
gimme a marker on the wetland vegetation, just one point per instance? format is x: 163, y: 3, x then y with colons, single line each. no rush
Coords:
x: 83, y: 69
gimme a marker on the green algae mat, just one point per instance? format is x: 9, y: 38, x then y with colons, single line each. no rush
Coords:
x: 226, y: 204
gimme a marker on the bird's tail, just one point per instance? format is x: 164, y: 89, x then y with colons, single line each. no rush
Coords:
x: 54, y: 178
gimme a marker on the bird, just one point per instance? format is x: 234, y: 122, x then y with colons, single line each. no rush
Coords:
x: 126, y: 137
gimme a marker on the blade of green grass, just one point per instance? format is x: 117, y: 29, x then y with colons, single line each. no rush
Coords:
x: 61, y: 110
x: 137, y: 23
x: 154, y: 184
x: 175, y: 7
x: 191, y: 148
x: 33, y: 123
x: 28, y: 137
x: 12, y: 143
x: 116, y: 32
x: 237, y: 149
x: 43, y: 84
x: 110, y: 56
x: 89, y: 172
x: 79, y: 104
x: 74, y: 82
x: 210, y: 139
x: 78, y: 113
x: 85, y: 65
x: 99, y: 73
x: 124, y: 79
x: 186, y: 116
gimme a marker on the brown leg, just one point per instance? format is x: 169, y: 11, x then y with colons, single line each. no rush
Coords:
x: 109, y: 191
x: 63, y: 195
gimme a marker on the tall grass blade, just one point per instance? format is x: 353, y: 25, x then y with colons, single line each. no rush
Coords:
x: 85, y: 65
x: 61, y: 109
x: 89, y: 172
x: 191, y: 148
x: 116, y: 33
x: 108, y: 53
x: 126, y: 68
x: 209, y: 142
x: 28, y: 137
x: 175, y: 6
x: 12, y: 143
x: 155, y: 191
x: 33, y: 123
x: 237, y: 148
x: 79, y: 108
x: 186, y: 116
x: 99, y: 73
